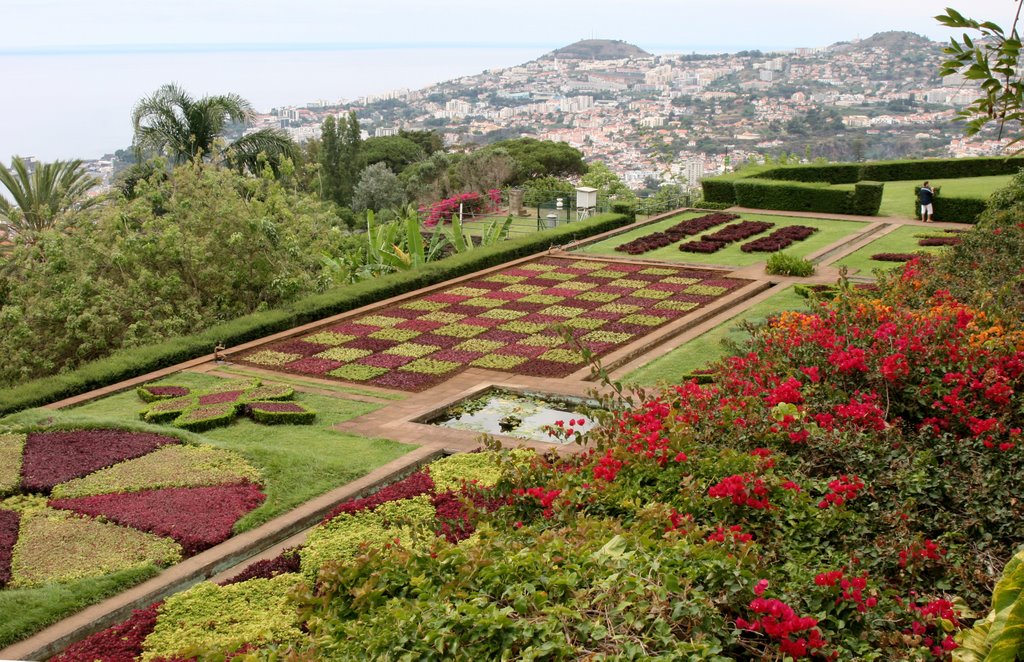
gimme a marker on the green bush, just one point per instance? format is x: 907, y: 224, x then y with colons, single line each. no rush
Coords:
x: 140, y: 360
x: 625, y: 207
x: 782, y: 264
x: 867, y: 197
x: 712, y: 206
x: 793, y: 196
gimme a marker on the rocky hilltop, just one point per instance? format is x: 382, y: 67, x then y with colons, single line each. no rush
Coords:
x: 597, y: 49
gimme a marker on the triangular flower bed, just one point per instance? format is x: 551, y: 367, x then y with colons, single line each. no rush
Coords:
x: 54, y: 457
x: 209, y: 408
x: 196, y: 517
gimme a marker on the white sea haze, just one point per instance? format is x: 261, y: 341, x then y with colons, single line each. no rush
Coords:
x: 77, y: 104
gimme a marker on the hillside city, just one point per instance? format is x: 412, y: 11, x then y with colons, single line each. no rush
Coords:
x: 679, y: 118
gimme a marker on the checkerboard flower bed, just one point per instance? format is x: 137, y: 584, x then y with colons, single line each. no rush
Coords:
x: 779, y: 240
x: 497, y: 322
x: 671, y: 235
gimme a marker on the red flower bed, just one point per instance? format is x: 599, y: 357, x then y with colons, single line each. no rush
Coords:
x: 54, y: 457
x: 671, y: 235
x: 168, y: 391
x: 779, y: 239
x: 701, y: 246
x: 8, y: 536
x: 738, y: 231
x: 196, y: 517
x: 893, y: 257
x: 939, y: 241
x: 286, y: 561
x: 455, y: 521
x: 120, y: 643
x: 411, y: 486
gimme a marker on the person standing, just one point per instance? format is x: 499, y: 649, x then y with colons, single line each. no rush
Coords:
x: 925, y: 196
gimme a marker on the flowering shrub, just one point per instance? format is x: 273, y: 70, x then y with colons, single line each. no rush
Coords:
x: 471, y: 203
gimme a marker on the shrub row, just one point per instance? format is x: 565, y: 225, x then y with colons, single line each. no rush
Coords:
x: 863, y: 199
x: 801, y: 180
x: 140, y: 360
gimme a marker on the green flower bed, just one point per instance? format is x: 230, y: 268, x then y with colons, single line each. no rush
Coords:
x: 11, y: 446
x: 40, y: 555
x: 169, y: 466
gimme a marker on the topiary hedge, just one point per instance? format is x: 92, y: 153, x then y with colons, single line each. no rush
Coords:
x: 864, y: 198
x: 140, y: 360
x: 728, y: 189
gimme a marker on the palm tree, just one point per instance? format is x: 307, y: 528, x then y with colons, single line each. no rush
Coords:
x: 44, y: 196
x: 172, y: 123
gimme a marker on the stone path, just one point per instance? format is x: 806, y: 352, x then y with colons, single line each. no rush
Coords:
x: 397, y: 418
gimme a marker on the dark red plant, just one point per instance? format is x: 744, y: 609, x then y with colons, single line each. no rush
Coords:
x: 8, y: 536
x: 411, y: 486
x: 119, y: 643
x: 196, y: 517
x: 53, y: 457
x: 286, y: 561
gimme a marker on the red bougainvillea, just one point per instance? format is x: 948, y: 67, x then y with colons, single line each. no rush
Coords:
x: 54, y: 457
x: 196, y: 517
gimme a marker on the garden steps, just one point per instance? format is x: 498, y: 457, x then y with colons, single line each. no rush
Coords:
x: 237, y: 551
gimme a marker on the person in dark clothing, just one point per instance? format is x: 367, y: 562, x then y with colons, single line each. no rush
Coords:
x: 925, y: 195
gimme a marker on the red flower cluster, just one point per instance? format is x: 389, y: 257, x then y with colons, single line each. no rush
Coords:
x: 843, y: 489
x: 471, y: 203
x: 919, y: 553
x: 607, y: 467
x: 851, y: 589
x: 196, y: 517
x: 732, y: 534
x: 931, y: 626
x: 743, y: 489
x: 54, y: 457
x: 797, y: 636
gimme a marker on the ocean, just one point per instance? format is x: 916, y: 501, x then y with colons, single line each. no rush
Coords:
x: 78, y: 104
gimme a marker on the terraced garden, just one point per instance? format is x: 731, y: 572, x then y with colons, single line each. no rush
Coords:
x: 901, y: 241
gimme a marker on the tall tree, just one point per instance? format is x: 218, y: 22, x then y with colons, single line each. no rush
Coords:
x: 351, y: 146
x: 330, y: 161
x: 172, y: 123
x: 44, y: 196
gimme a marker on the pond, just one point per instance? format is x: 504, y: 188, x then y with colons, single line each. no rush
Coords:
x: 524, y: 415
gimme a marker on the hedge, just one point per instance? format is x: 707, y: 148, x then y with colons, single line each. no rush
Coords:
x: 864, y: 198
x: 135, y: 361
x: 951, y: 209
x: 723, y: 189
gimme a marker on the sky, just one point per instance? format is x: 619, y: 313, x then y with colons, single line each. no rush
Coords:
x: 32, y: 26
x: 73, y: 70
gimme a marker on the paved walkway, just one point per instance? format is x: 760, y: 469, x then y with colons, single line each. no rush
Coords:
x: 398, y: 419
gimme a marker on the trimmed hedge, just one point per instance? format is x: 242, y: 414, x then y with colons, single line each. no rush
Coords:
x: 727, y: 189
x: 951, y: 209
x: 864, y: 198
x: 136, y: 361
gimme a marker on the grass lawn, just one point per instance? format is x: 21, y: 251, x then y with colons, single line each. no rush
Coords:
x: 298, y: 462
x: 898, y: 197
x: 709, y: 346
x: 828, y: 233
x: 901, y: 240
x: 28, y: 610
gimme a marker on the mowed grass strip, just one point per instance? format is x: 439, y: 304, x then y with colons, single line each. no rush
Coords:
x: 710, y: 346
x: 828, y: 233
x: 297, y: 462
x: 898, y: 197
x: 900, y: 240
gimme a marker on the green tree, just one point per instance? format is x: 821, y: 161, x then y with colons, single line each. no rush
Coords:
x: 431, y: 141
x: 607, y: 183
x: 350, y: 156
x: 394, y: 151
x: 483, y: 170
x: 330, y: 161
x: 42, y: 198
x: 378, y: 189
x: 545, y: 189
x: 541, y: 158
x: 171, y: 123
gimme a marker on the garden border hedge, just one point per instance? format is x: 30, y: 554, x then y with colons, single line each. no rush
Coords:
x: 802, y: 187
x: 132, y: 362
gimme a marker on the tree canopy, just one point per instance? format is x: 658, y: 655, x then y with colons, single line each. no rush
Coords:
x: 540, y: 158
x: 43, y: 197
x: 396, y: 152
